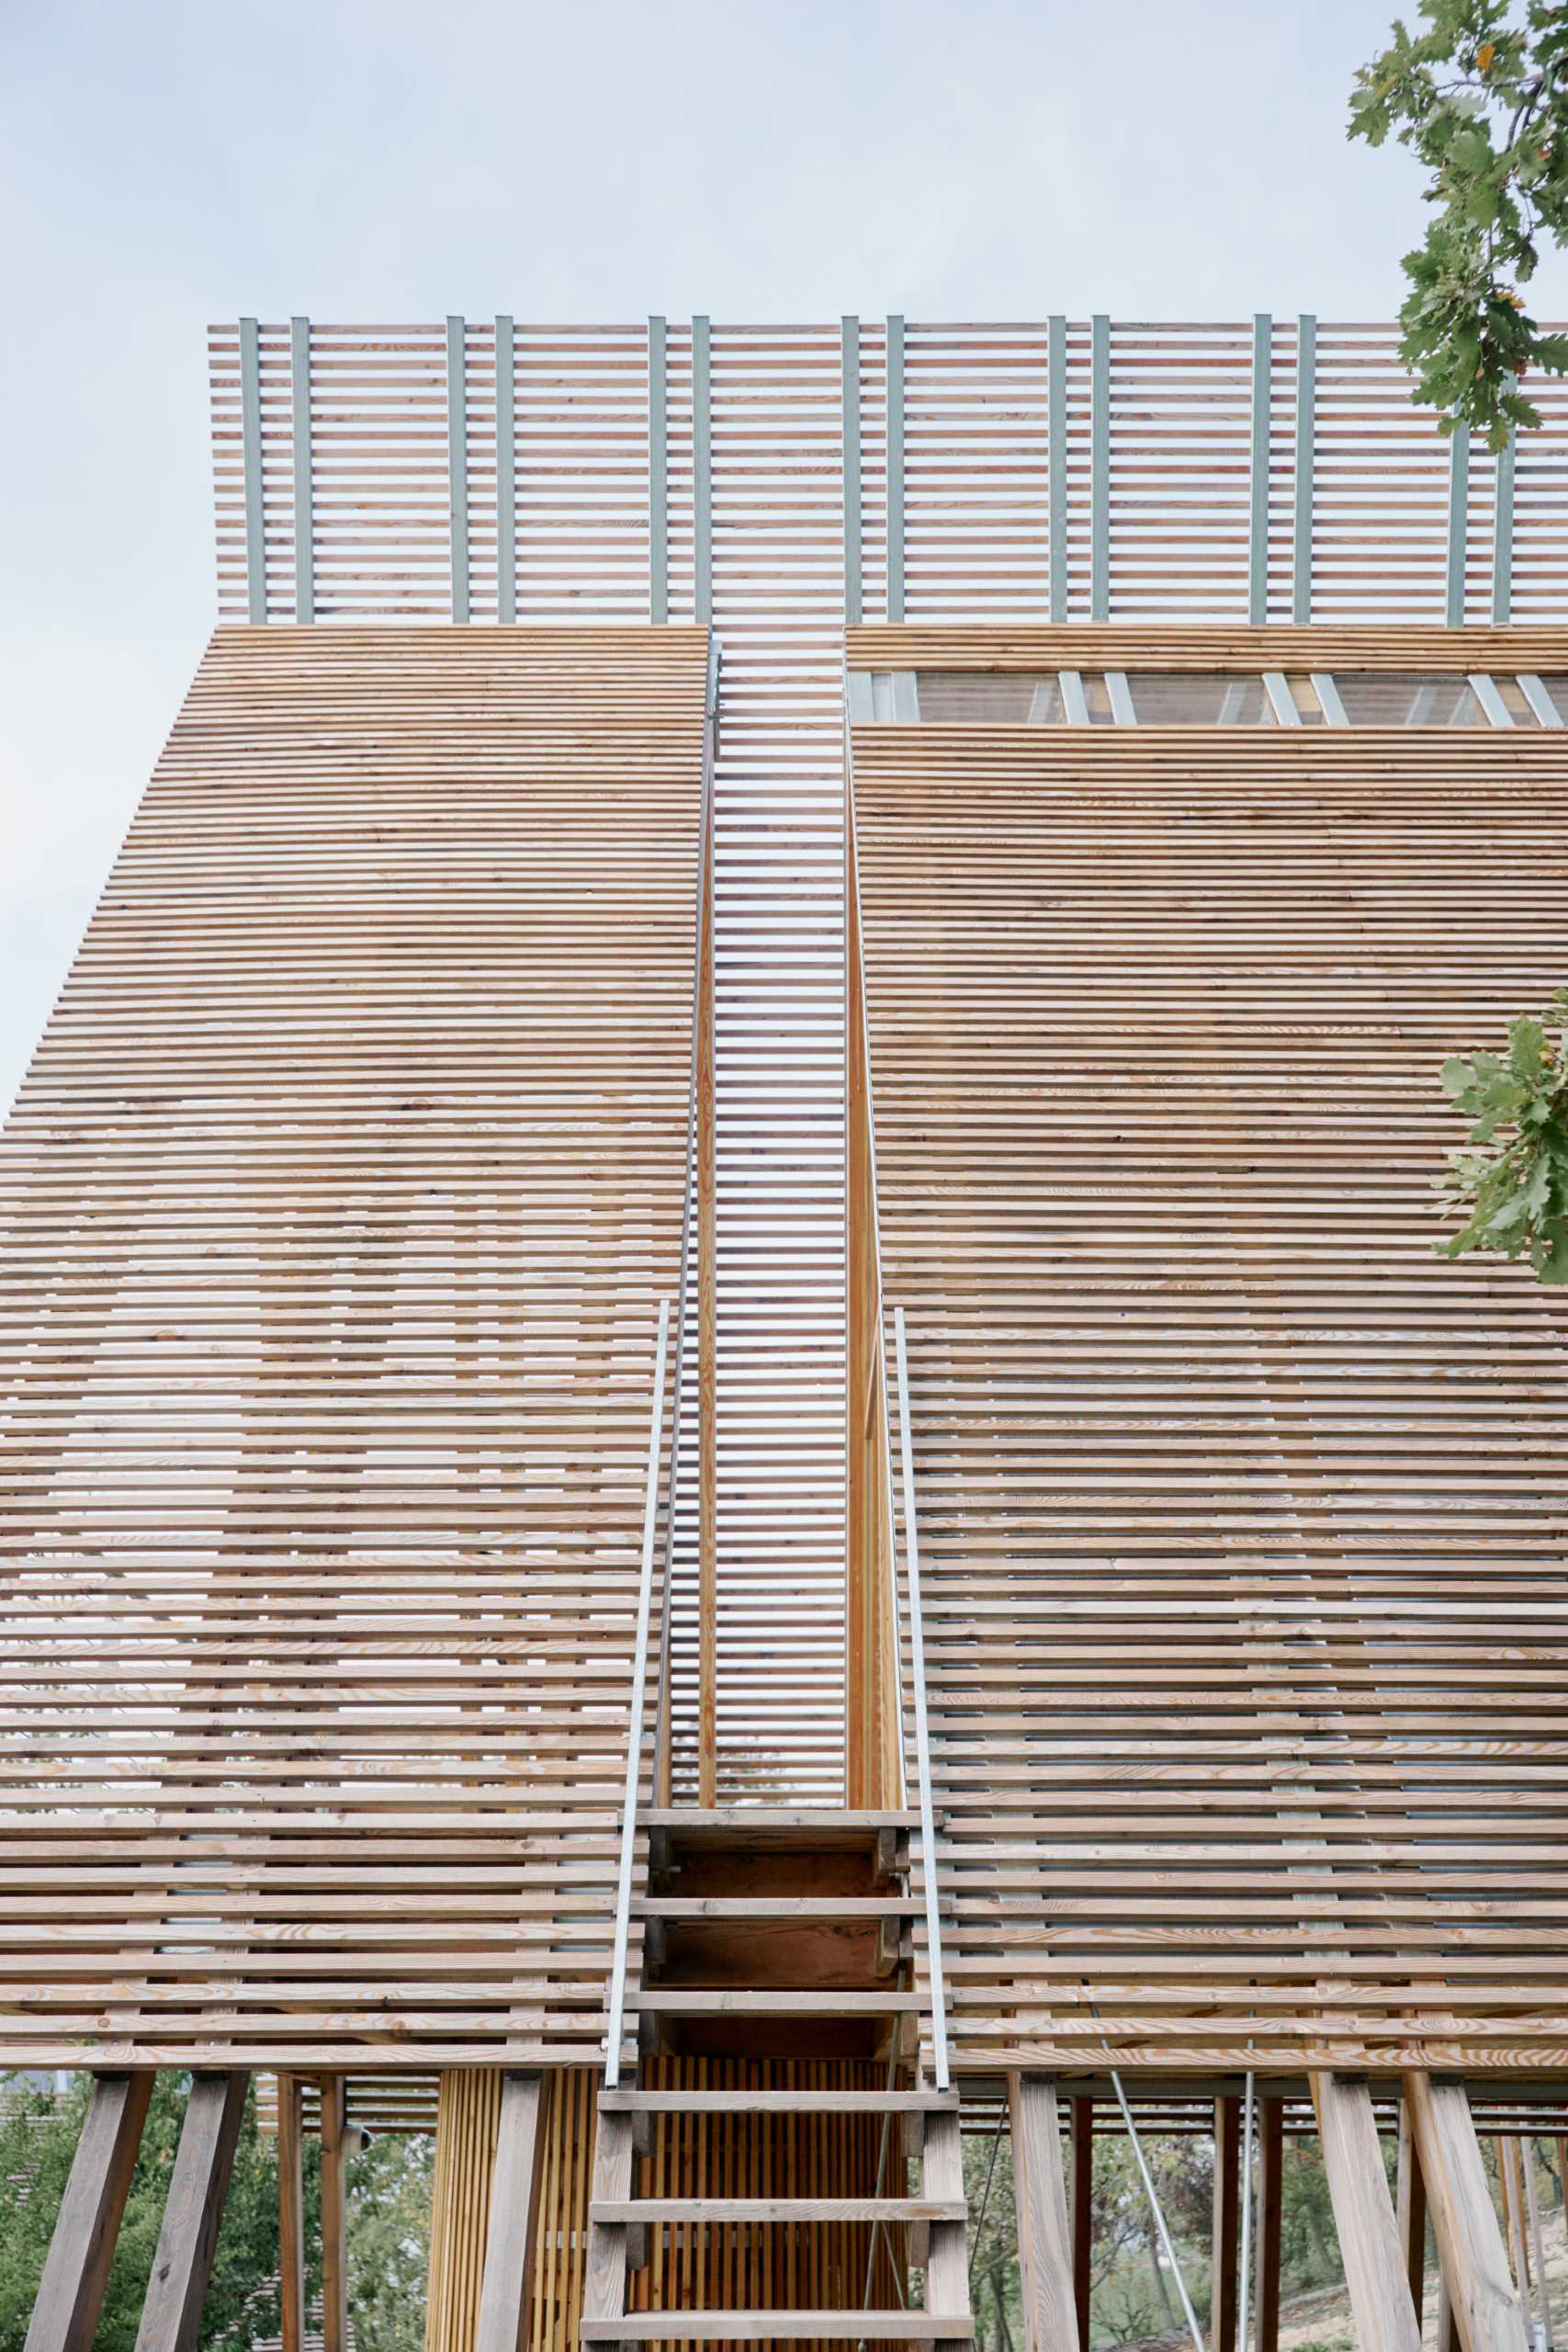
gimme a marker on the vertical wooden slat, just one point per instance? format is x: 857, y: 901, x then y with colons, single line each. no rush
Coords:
x: 1050, y: 2310
x: 193, y: 2213
x: 304, y: 490
x: 514, y: 2215
x: 1502, y: 535
x: 1485, y: 2308
x: 1100, y: 468
x: 505, y: 468
x: 1459, y: 525
x: 76, y: 2269
x: 1083, y: 2214
x: 1226, y: 2246
x: 701, y: 467
x: 1271, y: 2210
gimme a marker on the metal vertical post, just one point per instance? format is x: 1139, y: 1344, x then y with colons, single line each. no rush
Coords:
x: 457, y: 463
x: 895, y: 357
x: 251, y: 437
x: 1458, y: 525
x: 849, y: 408
x: 657, y: 470
x: 505, y: 470
x: 1307, y: 460
x: 1100, y: 468
x: 702, y: 469
x: 1258, y: 515
x: 1057, y: 460
x: 304, y: 534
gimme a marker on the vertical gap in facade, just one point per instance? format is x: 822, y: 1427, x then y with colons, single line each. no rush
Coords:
x: 251, y: 431
x: 1306, y: 431
x: 457, y: 463
x: 1100, y: 468
x: 657, y: 470
x: 1057, y: 460
x: 894, y: 388
x: 505, y: 471
x: 850, y: 332
x: 304, y: 534
x: 1258, y: 515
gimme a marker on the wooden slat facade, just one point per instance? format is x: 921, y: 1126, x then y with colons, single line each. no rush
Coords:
x: 1242, y: 1517
x: 337, y: 1207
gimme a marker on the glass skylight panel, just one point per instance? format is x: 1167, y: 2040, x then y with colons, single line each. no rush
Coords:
x: 1408, y: 698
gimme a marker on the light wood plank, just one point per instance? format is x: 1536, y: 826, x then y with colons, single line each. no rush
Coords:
x: 193, y: 2214
x: 76, y: 2269
x: 514, y: 2215
x: 1370, y: 2243
x: 1046, y: 2242
x: 1482, y: 2299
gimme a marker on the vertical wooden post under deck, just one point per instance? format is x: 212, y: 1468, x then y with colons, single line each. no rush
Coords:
x: 75, y: 2272
x: 1044, y: 2240
x: 1227, y: 2224
x: 290, y: 2215
x: 1370, y: 2245
x: 1271, y: 2193
x: 514, y: 2215
x: 334, y: 2266
x: 467, y: 2125
x: 1083, y: 2213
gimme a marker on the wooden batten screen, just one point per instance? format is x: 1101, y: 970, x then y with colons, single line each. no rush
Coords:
x: 1242, y: 1517
x: 337, y: 1207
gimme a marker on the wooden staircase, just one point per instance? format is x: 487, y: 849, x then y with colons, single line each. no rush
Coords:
x: 771, y: 1933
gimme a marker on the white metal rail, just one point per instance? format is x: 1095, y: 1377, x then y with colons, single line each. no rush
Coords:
x: 922, y: 1728
x: 638, y: 1706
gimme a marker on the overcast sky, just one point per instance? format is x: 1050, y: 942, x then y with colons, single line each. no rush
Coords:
x: 163, y: 166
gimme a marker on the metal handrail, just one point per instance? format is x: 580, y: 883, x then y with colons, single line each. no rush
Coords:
x: 635, y: 1733
x: 923, y: 1728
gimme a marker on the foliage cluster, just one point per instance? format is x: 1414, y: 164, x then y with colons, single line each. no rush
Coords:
x: 1512, y: 1184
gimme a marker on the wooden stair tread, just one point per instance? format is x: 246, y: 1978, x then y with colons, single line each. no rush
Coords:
x: 777, y: 1906
x: 779, y: 2209
x: 751, y: 2327
x: 768, y: 1817
x: 742, y: 2002
x: 763, y: 2101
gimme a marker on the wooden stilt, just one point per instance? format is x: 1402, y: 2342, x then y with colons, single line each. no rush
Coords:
x: 1486, y: 2311
x: 514, y: 2215
x: 71, y: 2292
x: 1270, y: 2195
x: 1083, y: 2213
x: 1227, y: 2225
x: 199, y: 2187
x: 290, y: 2215
x: 334, y: 2268
x: 1045, y: 2245
x: 1369, y: 2242
x: 1538, y: 2248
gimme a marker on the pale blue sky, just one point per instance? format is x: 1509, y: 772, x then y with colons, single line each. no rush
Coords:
x: 162, y: 165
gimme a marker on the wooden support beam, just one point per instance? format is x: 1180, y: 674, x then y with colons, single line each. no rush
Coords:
x: 1271, y: 2205
x: 1046, y: 2244
x: 1486, y: 2311
x: 71, y: 2292
x: 1370, y: 2245
x: 513, y: 2214
x: 1227, y: 2225
x: 193, y: 2213
x: 335, y: 2266
x: 707, y: 1342
x: 947, y: 2260
x: 290, y: 2214
x: 1411, y: 2212
x: 604, y: 2278
x: 1083, y: 2213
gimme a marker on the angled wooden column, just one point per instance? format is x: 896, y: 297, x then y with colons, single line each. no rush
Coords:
x: 1083, y: 2213
x: 71, y: 2292
x: 290, y: 2215
x: 1271, y: 2205
x: 1370, y: 2243
x: 1044, y: 2241
x: 199, y: 2187
x: 1227, y: 2225
x: 1411, y: 2212
x: 513, y: 2214
x: 334, y: 2266
x: 1486, y: 2310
